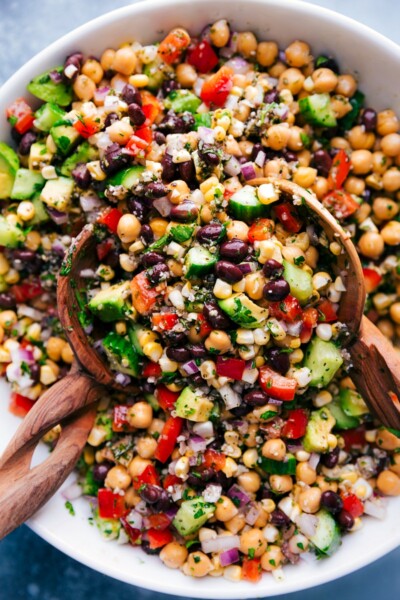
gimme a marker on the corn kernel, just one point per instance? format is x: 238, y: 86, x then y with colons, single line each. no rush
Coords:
x: 322, y: 398
x: 95, y: 170
x: 4, y: 264
x: 139, y: 80
x: 182, y: 467
x: 230, y: 467
x: 26, y: 210
x: 120, y: 327
x: 153, y: 351
x: 88, y: 455
x: 47, y: 376
x: 268, y: 505
x: 97, y: 436
x: 219, y: 133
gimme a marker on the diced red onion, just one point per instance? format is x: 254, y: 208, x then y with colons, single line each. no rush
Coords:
x: 190, y: 367
x: 232, y: 166
x: 118, y: 84
x: 135, y: 519
x: 222, y: 543
x: 275, y: 401
x: 197, y: 444
x: 314, y: 459
x: 103, y: 141
x: 229, y: 557
x: 294, y: 328
x: 88, y: 329
x: 247, y: 267
x: 55, y: 76
x: 283, y: 324
x: 163, y: 206
x: 252, y: 514
x: 205, y: 430
x: 171, y: 512
x: 90, y: 202
x: 248, y: 171
x: 59, y: 218
x: 206, y: 33
x: 98, y: 345
x: 20, y: 355
x: 260, y: 158
x: 206, y: 134
x: 310, y: 229
x: 238, y: 65
x: 375, y: 508
x: 236, y: 492
x: 293, y: 448
x: 307, y: 524
x: 142, y: 508
x: 72, y: 492
x: 231, y: 47
x: 281, y: 111
x: 58, y: 248
x: 122, y: 379
x: 101, y: 93
x: 87, y: 274
x: 198, y: 86
x: 230, y: 397
x: 28, y: 311
x: 171, y: 467
x: 193, y: 460
x: 212, y: 493
x: 231, y: 102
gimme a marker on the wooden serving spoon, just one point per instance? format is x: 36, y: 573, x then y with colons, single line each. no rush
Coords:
x: 71, y: 401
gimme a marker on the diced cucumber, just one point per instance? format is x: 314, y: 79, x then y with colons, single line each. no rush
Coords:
x: 192, y: 515
x: 90, y: 486
x: 155, y: 74
x: 181, y: 233
x: 127, y: 177
x: 244, y: 311
x: 199, y: 261
x: 245, y: 206
x: 323, y: 359
x: 109, y: 528
x: 300, y: 282
x: 10, y: 235
x: 46, y: 89
x: 202, y: 120
x: 48, y: 115
x: 193, y: 406
x: 111, y: 304
x: 26, y: 184
x: 352, y: 403
x: 278, y: 467
x: 182, y: 101
x: 343, y: 421
x: 317, y: 110
x: 9, y: 164
x: 319, y: 427
x: 133, y: 332
x: 121, y: 354
x: 350, y: 119
x: 152, y: 400
x: 57, y: 193
x: 65, y: 136
x: 327, y: 537
x: 83, y: 154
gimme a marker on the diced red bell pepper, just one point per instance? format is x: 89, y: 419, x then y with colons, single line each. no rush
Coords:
x: 287, y: 214
x: 310, y: 319
x: 353, y: 505
x: 144, y: 297
x: 27, y: 290
x: 111, y: 506
x: 340, y: 203
x: 171, y: 480
x: 110, y: 218
x: 173, y: 45
x: 166, y: 399
x: 214, y: 460
x: 217, y: 88
x: 262, y: 229
x: 296, y: 424
x: 203, y: 326
x: 276, y: 385
x: 203, y: 57
x: 159, y: 521
x: 289, y: 309
x: 104, y: 248
x: 140, y: 141
x: 120, y: 421
x: 20, y: 115
x: 152, y: 369
x: 326, y: 312
x: 251, y: 569
x: 167, y: 440
x: 158, y: 539
x: 20, y: 405
x: 133, y: 534
x: 353, y: 437
x: 148, y: 477
x: 164, y: 321
x: 87, y: 126
x: 371, y: 279
x: 339, y: 170
x: 230, y: 367
x: 150, y: 106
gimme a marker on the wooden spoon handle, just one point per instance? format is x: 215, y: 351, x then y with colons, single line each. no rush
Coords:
x: 23, y: 490
x: 376, y: 373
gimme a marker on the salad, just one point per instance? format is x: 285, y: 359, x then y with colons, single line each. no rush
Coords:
x: 248, y: 446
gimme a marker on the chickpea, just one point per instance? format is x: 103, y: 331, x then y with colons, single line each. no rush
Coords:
x: 125, y: 61
x: 158, y: 226
x: 340, y: 143
x: 340, y: 105
x: 395, y: 466
x: 173, y: 555
x: 391, y: 233
x: 219, y: 341
x: 219, y: 33
x: 246, y: 44
x: 267, y: 53
x: 198, y: 564
x: 274, y: 449
x: 371, y: 244
x: 84, y: 87
x: 298, y: 54
x: 276, y: 168
x: 225, y: 509
x: 272, y: 558
x: 93, y: 69
x: 304, y: 158
x: 120, y: 132
x: 346, y: 85
x: 354, y: 185
x: 54, y: 348
x: 250, y: 481
x: 32, y: 242
x: 253, y: 539
x: 386, y: 327
x: 237, y: 229
x: 325, y: 81
x: 387, y: 440
x: 67, y: 355
x: 325, y: 485
x: 295, y: 142
x: 140, y: 415
x: 281, y: 483
x: 310, y: 500
x: 387, y: 122
x: 131, y: 497
x: 118, y: 477
x: 390, y: 144
x: 291, y: 79
x: 146, y: 447
x: 360, y: 139
x: 361, y: 161
x: 384, y: 208
x: 278, y: 136
x: 311, y: 256
x: 394, y: 312
x: 107, y: 59
x: 254, y: 284
x: 250, y: 437
x: 156, y: 426
x: 128, y: 228
x: 138, y: 465
x: 320, y: 187
x: 8, y: 319
x: 236, y: 524
x: 391, y: 180
x: 305, y: 176
x: 242, y: 113
x: 388, y: 483
x: 186, y: 75
x: 305, y: 473
x: 380, y: 162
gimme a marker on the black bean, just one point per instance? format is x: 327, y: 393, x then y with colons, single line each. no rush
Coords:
x: 322, y: 162
x: 272, y: 267
x: 169, y: 168
x: 7, y: 300
x: 147, y: 387
x: 112, y: 259
x: 197, y: 350
x: 187, y: 171
x: 149, y: 259
x: 131, y: 95
x: 290, y: 156
x: 156, y: 189
x: 179, y: 354
x: 278, y: 360
x: 164, y: 503
x: 215, y: 316
x: 332, y: 502
x: 187, y: 121
x: 168, y: 86
x: 221, y: 479
x: 208, y: 154
x: 172, y: 123
x: 145, y: 546
x: 197, y: 380
x: 255, y: 150
x: 228, y: 271
x: 76, y: 60
x: 369, y: 119
x: 150, y: 493
x: 267, y: 494
x: 276, y: 290
x: 100, y: 471
x: 34, y: 372
x: 114, y: 159
x: 271, y: 96
x: 235, y: 250
x: 241, y: 411
x: 197, y: 478
x: 136, y: 115
x: 186, y: 212
x: 345, y: 519
x: 24, y: 255
x: 331, y: 459
x: 210, y: 233
x: 279, y: 518
x: 137, y: 207
x: 159, y: 138
x: 147, y: 234
x: 81, y: 176
x: 256, y: 398
x: 175, y: 338
x: 158, y: 273
x: 110, y: 119
x: 26, y: 142
x: 327, y: 62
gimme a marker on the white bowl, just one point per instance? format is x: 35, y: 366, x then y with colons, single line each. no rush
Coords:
x: 376, y: 61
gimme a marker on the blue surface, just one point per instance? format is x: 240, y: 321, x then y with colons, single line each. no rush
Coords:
x: 29, y: 567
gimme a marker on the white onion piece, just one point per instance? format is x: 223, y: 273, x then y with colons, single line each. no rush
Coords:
x: 206, y: 134
x: 307, y: 524
x: 294, y: 328
x: 205, y: 430
x: 231, y: 102
x: 238, y: 65
x: 163, y: 205
x: 72, y: 492
x: 198, y: 85
x: 230, y: 397
x: 87, y: 274
x: 220, y: 543
x: 232, y: 167
x: 212, y: 493
x: 135, y: 519
x: 252, y: 515
x: 375, y: 508
x: 32, y: 313
x: 314, y: 459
